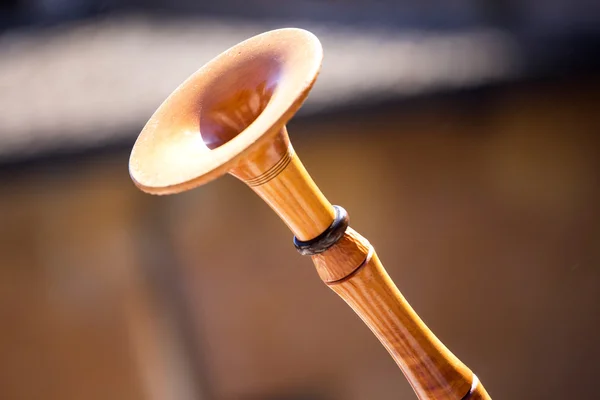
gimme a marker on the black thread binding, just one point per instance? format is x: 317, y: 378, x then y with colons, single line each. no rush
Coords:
x: 326, y: 239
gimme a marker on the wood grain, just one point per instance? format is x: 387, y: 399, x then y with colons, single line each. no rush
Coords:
x: 352, y: 269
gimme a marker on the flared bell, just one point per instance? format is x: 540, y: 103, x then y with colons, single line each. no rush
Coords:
x: 227, y: 109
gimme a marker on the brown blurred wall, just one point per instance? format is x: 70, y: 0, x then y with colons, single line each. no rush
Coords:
x: 483, y: 208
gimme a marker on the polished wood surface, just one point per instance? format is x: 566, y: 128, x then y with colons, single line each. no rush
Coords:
x: 352, y: 269
x: 432, y: 370
x: 235, y: 103
x: 277, y: 175
x: 241, y: 131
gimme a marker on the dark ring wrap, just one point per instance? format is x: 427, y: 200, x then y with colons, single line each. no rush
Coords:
x: 326, y: 239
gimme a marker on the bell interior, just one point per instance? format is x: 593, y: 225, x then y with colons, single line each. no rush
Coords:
x: 236, y: 98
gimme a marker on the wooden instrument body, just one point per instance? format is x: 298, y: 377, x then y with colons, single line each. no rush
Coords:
x: 230, y: 117
x: 352, y: 269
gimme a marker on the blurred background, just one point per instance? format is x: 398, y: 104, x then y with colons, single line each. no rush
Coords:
x: 462, y: 136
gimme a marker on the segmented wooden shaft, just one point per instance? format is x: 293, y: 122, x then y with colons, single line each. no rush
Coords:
x: 351, y: 268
